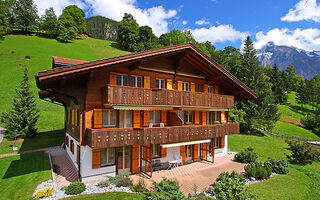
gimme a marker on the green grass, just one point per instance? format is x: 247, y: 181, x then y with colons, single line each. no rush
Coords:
x: 295, y: 130
x: 110, y: 196
x: 20, y: 175
x: 13, y: 50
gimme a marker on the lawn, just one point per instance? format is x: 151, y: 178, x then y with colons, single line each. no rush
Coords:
x: 295, y: 130
x: 13, y: 50
x: 20, y: 175
x: 110, y: 196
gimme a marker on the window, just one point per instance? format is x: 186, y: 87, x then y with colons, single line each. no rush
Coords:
x: 71, y: 146
x: 108, y: 118
x: 136, y: 81
x: 210, y: 89
x: 185, y: 86
x: 188, y: 117
x: 67, y: 141
x: 154, y: 117
x: 160, y: 83
x: 125, y: 119
x: 212, y: 117
x: 155, y: 150
x: 122, y: 80
x: 217, y: 142
x: 107, y: 157
x: 189, y: 149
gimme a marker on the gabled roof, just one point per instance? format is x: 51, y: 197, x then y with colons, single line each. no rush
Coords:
x: 61, y: 61
x: 194, y: 54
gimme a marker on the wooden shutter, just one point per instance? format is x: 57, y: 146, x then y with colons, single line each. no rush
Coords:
x: 212, y: 149
x: 78, y: 154
x: 146, y: 80
x: 113, y: 79
x: 136, y: 119
x: 135, y: 159
x: 67, y: 141
x: 96, y: 156
x: 146, y: 118
x: 183, y: 153
x: 223, y: 116
x: 164, y: 117
x: 204, y: 117
x: 204, y: 152
x: 222, y: 141
x: 197, y: 117
x: 163, y: 152
x: 169, y: 84
x: 179, y: 85
x: 193, y: 87
x: 216, y: 90
x: 205, y: 88
x: 195, y: 152
x: 97, y: 118
x: 72, y: 116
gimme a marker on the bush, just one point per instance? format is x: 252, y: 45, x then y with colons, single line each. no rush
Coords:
x: 103, y: 184
x: 279, y: 166
x: 246, y: 156
x: 301, y: 153
x: 121, y: 180
x: 112, y: 180
x: 259, y: 171
x: 311, y: 122
x: 140, y: 186
x: 45, y: 192
x: 231, y: 186
x: 166, y: 190
x: 75, y: 188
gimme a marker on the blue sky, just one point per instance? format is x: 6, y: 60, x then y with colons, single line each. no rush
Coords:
x: 223, y: 22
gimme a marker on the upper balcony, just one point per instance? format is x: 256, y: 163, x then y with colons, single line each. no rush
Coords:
x: 124, y: 95
x: 113, y: 137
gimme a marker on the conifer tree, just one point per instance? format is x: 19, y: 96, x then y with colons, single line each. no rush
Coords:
x: 50, y: 22
x: 26, y: 15
x: 302, y: 96
x: 4, y: 24
x: 278, y: 85
x: 24, y: 112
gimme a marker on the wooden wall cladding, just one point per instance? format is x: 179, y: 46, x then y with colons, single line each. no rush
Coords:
x: 113, y: 137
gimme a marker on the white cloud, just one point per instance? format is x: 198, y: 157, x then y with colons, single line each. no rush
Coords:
x: 202, y: 21
x: 219, y: 33
x: 304, y: 10
x: 184, y: 22
x: 156, y: 17
x: 307, y: 39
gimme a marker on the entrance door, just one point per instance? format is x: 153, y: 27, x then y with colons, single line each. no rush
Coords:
x: 124, y: 159
x: 189, y: 150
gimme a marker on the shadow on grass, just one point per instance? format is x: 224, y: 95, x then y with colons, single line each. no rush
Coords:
x: 297, y: 109
x: 28, y: 163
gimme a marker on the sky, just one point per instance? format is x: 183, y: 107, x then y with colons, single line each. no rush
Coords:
x: 223, y: 22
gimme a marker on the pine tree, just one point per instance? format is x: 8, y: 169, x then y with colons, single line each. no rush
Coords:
x: 49, y: 22
x: 24, y: 112
x: 278, y: 85
x: 4, y: 24
x: 302, y: 96
x: 26, y: 15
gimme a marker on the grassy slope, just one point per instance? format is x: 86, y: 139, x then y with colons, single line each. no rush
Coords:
x: 41, y: 51
x: 19, y: 175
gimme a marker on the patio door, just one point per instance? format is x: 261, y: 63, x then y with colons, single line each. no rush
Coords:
x: 189, y: 150
x: 146, y: 160
x: 124, y: 159
x: 207, y: 152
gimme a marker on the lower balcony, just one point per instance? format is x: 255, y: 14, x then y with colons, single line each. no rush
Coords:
x: 113, y: 137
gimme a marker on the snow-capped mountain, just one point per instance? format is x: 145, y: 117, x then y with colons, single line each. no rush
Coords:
x: 307, y: 63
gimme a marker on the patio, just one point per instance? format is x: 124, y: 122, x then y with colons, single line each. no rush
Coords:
x: 202, y: 174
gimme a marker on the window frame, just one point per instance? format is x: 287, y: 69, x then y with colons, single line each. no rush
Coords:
x: 71, y: 146
x: 108, y: 157
x: 211, y: 89
x: 136, y: 81
x: 153, y: 115
x: 184, y: 84
x: 122, y: 79
x: 125, y: 118
x: 187, y: 117
x: 162, y: 82
x: 153, y: 147
x: 109, y: 118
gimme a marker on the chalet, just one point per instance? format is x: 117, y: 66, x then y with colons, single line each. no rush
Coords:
x: 142, y: 111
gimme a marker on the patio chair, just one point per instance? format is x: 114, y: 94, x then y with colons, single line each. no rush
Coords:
x: 161, y: 124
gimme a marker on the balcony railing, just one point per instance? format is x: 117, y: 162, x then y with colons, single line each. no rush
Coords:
x: 143, y: 96
x: 113, y: 137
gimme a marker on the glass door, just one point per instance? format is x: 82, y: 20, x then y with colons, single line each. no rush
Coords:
x: 124, y: 159
x: 189, y: 152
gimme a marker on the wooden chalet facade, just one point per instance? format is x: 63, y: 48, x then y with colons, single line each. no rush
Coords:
x: 139, y: 111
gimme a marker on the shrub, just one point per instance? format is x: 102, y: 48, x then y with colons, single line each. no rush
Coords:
x: 259, y: 171
x: 113, y: 180
x: 166, y: 190
x: 311, y: 122
x: 140, y: 186
x: 123, y: 182
x: 279, y: 166
x: 231, y: 186
x: 246, y: 156
x: 75, y: 188
x: 103, y: 184
x: 301, y: 153
x: 45, y: 192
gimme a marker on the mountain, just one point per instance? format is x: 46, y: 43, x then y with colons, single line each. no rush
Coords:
x: 307, y: 63
x: 102, y: 28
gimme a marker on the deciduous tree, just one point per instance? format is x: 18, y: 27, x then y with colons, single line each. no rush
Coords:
x: 4, y: 10
x: 26, y: 15
x: 128, y: 33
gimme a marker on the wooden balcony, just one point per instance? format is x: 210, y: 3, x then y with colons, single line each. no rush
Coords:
x: 113, y: 137
x: 122, y: 95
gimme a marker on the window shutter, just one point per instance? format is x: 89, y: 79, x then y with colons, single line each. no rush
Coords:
x: 222, y: 141
x: 136, y: 119
x: 78, y: 154
x: 179, y: 85
x: 164, y: 117
x: 113, y: 79
x: 193, y: 87
x: 204, y: 117
x: 72, y: 116
x: 96, y: 156
x: 163, y: 152
x: 169, y: 84
x: 146, y: 80
x: 146, y: 118
x: 197, y: 117
x: 204, y: 152
x: 195, y: 152
x: 216, y: 90
x: 205, y: 88
x: 223, y: 117
x: 135, y: 159
x: 97, y: 118
x: 183, y: 153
